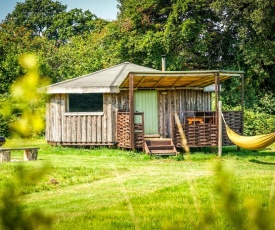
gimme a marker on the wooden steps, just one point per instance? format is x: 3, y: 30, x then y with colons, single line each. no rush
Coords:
x: 160, y: 147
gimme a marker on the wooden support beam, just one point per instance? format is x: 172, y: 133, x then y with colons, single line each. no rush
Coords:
x: 176, y: 82
x: 131, y: 109
x: 216, y: 97
x: 142, y: 79
x: 159, y: 81
x: 219, y: 86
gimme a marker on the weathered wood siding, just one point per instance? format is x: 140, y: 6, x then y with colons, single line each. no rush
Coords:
x: 180, y: 101
x: 80, y: 129
x: 87, y: 129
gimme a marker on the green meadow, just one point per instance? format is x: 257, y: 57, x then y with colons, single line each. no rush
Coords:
x: 104, y: 188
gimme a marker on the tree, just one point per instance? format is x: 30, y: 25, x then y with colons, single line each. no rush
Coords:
x: 68, y: 24
x: 36, y: 15
x: 13, y: 42
x: 188, y: 32
x: 48, y: 18
x: 254, y: 22
x: 195, y: 36
x: 144, y: 15
x: 82, y: 55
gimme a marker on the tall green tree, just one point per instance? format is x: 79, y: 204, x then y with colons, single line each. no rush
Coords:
x: 14, y: 41
x: 48, y: 18
x: 82, y: 55
x: 187, y: 31
x: 144, y: 15
x: 139, y: 28
x: 36, y: 15
x: 68, y: 24
x: 254, y: 22
x: 196, y: 38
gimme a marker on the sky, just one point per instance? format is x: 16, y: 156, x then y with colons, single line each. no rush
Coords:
x: 105, y: 9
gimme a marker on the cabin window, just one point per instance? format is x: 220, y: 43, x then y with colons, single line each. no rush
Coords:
x: 87, y: 102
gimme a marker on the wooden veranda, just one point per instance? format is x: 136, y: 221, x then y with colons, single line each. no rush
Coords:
x: 199, y: 123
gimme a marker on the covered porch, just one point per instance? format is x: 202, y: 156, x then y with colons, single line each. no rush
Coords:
x: 185, y: 93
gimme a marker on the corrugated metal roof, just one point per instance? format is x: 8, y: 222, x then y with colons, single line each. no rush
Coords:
x: 104, y: 81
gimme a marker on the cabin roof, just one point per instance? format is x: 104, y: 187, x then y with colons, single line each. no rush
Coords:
x: 178, y: 79
x: 115, y: 78
x: 102, y: 81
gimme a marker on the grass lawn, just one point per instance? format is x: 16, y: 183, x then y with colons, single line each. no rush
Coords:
x: 114, y: 189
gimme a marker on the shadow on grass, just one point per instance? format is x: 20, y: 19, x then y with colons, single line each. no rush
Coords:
x: 233, y: 151
x: 261, y: 162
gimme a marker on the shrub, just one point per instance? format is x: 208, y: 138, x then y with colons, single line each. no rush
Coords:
x: 256, y: 123
x: 266, y: 103
x: 13, y: 215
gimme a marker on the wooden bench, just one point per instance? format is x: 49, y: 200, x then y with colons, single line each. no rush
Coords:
x: 30, y: 153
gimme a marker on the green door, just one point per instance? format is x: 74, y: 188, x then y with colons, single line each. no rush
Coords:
x: 147, y: 101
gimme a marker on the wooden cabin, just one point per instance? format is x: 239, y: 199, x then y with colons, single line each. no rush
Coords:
x: 132, y: 106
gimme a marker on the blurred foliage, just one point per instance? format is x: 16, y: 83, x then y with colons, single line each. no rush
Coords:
x: 258, y: 218
x: 12, y: 213
x: 25, y: 102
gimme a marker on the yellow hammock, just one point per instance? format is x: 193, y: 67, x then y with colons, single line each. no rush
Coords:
x: 250, y: 142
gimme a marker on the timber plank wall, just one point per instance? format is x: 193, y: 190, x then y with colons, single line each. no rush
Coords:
x: 70, y: 129
x: 179, y: 100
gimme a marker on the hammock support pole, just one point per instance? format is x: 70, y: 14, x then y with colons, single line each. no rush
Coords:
x: 220, y: 129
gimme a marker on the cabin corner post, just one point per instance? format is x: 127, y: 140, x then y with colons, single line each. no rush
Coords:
x: 131, y: 109
x: 219, y: 86
x: 217, y: 93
